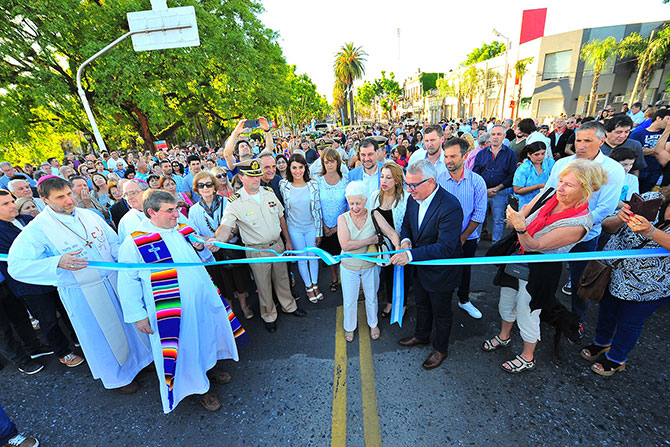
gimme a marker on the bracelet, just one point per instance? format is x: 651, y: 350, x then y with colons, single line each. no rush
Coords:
x: 521, y: 232
x: 650, y: 234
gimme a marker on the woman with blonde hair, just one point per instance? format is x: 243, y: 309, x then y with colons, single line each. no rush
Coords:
x: 26, y: 205
x: 224, y: 189
x: 551, y: 224
x: 391, y: 201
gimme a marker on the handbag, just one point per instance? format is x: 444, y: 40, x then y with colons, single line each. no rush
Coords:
x: 382, y: 244
x: 597, y: 274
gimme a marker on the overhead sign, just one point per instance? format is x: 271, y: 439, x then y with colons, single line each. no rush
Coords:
x: 161, y: 144
x: 183, y: 20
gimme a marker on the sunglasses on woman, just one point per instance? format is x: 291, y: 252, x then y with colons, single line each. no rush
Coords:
x: 205, y: 185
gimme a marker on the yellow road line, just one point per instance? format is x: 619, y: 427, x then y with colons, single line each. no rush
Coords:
x: 338, y: 435
x: 371, y: 431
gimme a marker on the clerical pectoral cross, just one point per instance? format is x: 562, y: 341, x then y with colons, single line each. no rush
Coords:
x: 155, y: 249
x: 89, y: 244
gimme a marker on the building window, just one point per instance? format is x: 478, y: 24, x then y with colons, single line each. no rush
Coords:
x: 557, y: 65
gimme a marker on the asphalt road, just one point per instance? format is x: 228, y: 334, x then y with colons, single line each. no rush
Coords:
x: 282, y: 391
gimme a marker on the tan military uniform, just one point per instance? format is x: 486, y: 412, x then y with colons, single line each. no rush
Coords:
x: 259, y: 228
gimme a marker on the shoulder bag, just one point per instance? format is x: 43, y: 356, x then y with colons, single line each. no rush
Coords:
x: 597, y: 274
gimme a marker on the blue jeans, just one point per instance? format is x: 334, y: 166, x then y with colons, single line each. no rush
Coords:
x: 579, y: 306
x: 498, y: 204
x: 7, y: 428
x: 620, y: 323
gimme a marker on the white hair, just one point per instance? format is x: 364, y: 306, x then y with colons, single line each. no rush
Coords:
x: 425, y: 167
x: 13, y: 183
x: 356, y: 189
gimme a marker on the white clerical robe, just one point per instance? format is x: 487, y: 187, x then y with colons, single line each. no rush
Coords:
x: 33, y: 258
x: 129, y: 223
x: 205, y: 334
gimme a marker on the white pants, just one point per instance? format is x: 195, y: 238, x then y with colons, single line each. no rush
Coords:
x: 309, y: 270
x: 351, y: 281
x: 515, y: 306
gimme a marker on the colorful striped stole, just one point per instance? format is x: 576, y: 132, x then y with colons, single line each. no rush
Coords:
x: 165, y: 289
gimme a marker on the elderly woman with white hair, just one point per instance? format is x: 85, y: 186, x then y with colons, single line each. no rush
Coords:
x: 357, y: 233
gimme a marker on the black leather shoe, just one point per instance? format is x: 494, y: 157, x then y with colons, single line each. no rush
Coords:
x: 298, y: 313
x: 271, y: 327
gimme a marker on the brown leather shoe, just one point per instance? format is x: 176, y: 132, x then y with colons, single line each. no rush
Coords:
x: 210, y: 401
x: 412, y: 341
x: 434, y: 360
x: 132, y: 387
x: 219, y: 376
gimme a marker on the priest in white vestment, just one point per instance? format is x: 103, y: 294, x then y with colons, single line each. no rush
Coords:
x: 54, y: 249
x: 132, y: 192
x: 203, y: 328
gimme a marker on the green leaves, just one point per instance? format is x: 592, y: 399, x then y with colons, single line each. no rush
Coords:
x: 238, y: 70
x: 485, y: 52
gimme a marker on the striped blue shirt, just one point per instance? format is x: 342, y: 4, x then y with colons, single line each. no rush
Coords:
x: 470, y: 191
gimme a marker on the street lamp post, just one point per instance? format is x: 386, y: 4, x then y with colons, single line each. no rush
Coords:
x: 504, y: 98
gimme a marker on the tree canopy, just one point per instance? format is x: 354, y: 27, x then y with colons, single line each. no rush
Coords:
x: 485, y: 52
x: 238, y: 70
x: 386, y: 90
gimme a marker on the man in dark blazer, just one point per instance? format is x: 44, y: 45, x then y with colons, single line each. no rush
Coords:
x: 43, y: 301
x: 431, y: 230
x: 559, y: 138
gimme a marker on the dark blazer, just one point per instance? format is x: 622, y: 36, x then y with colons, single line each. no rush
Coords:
x: 118, y: 210
x: 438, y: 238
x: 558, y: 147
x: 9, y: 232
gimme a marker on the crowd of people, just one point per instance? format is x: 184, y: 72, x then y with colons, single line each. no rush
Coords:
x: 430, y: 191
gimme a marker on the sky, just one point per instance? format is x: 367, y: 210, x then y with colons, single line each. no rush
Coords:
x: 435, y: 36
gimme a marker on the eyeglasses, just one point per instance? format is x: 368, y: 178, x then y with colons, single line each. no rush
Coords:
x: 412, y: 186
x: 220, y: 176
x: 132, y: 193
x: 205, y: 185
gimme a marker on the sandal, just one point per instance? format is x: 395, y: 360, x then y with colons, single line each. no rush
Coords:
x: 319, y: 297
x: 349, y: 336
x: 593, y: 352
x: 488, y: 345
x: 516, y: 369
x: 607, y: 367
x: 312, y: 299
x: 374, y: 333
x: 334, y: 286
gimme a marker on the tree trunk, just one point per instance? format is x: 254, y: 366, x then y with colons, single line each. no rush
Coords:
x: 592, y: 95
x: 141, y: 123
x: 644, y: 82
x: 518, y: 101
x: 351, y: 105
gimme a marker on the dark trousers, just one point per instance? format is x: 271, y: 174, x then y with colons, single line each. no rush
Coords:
x: 44, y: 307
x: 14, y: 322
x: 620, y: 323
x: 579, y: 306
x: 387, y: 280
x: 469, y: 250
x: 7, y: 428
x: 433, y: 307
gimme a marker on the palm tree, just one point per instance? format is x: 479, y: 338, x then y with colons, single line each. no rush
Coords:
x: 349, y: 66
x: 649, y: 53
x: 596, y: 53
x: 521, y: 68
x: 473, y: 84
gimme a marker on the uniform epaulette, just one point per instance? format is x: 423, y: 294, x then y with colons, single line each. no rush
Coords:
x: 233, y: 198
x: 269, y: 189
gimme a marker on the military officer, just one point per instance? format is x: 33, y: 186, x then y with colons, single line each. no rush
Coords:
x: 259, y: 215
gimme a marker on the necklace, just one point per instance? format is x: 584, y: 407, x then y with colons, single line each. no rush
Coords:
x: 88, y: 243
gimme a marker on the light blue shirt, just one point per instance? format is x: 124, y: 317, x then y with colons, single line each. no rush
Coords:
x: 471, y: 193
x: 604, y: 201
x: 526, y: 175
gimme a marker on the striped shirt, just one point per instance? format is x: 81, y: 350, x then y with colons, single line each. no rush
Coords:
x: 470, y: 191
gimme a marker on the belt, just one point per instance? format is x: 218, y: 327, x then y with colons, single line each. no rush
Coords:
x: 262, y: 246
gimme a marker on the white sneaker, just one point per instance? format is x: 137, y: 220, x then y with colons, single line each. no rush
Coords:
x: 567, y: 288
x: 471, y: 310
